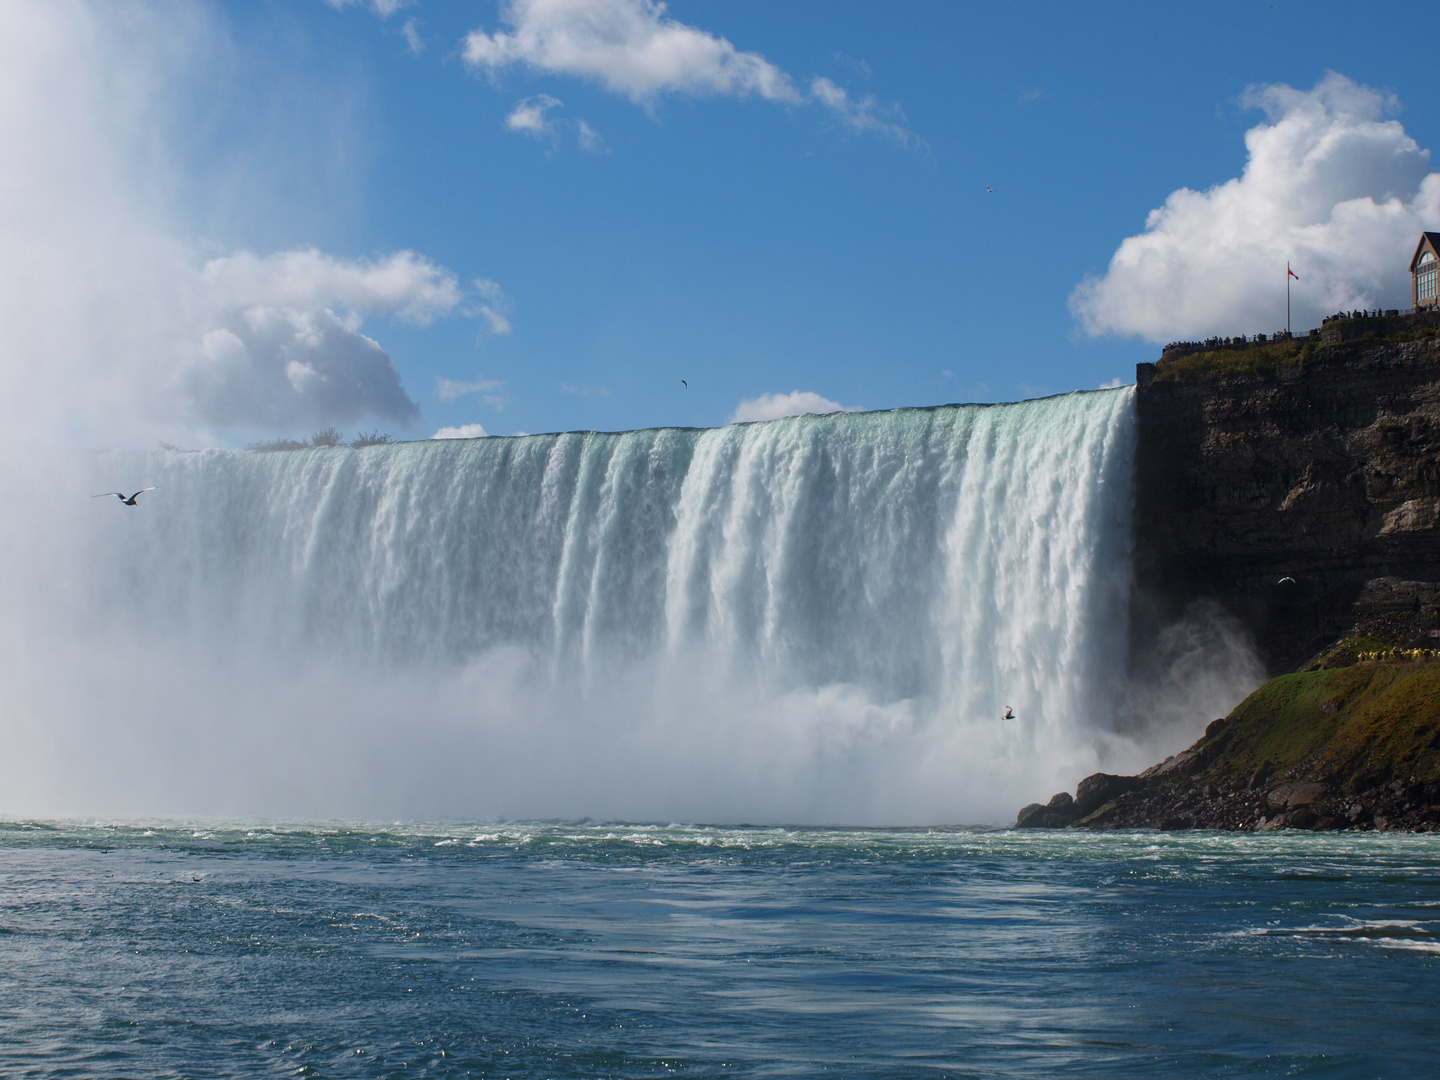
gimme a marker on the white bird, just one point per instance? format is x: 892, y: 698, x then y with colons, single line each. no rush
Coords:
x: 128, y: 500
x: 1286, y: 580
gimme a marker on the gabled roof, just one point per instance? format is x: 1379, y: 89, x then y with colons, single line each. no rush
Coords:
x: 1434, y: 238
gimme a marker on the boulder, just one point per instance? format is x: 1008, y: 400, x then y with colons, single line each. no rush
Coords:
x: 1099, y: 788
x: 1029, y: 817
x: 1056, y: 814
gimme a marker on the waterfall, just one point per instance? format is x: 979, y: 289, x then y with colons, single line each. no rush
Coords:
x: 816, y: 618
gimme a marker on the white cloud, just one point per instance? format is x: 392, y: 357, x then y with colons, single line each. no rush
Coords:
x: 630, y: 46
x: 774, y: 406
x: 635, y: 49
x: 112, y: 329
x: 449, y: 389
x: 382, y: 8
x: 589, y: 138
x: 1330, y: 184
x: 1114, y: 384
x: 495, y: 306
x: 413, y: 42
x: 529, y: 116
x: 464, y: 431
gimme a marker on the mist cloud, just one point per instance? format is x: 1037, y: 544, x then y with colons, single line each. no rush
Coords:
x: 114, y: 327
x: 1330, y: 184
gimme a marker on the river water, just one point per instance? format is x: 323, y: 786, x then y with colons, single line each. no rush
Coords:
x: 591, y: 950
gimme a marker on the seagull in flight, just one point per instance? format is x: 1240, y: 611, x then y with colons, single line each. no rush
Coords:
x: 989, y: 190
x: 1009, y: 713
x: 128, y: 500
x: 685, y: 384
x: 1286, y: 580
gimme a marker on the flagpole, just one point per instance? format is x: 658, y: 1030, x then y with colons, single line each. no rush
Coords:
x: 1288, y: 272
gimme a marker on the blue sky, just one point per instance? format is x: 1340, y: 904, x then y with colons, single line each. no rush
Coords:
x: 748, y: 244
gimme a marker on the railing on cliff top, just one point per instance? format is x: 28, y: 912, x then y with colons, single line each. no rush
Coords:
x: 1334, y: 329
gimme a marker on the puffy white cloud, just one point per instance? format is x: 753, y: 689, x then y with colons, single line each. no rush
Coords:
x: 112, y: 328
x: 464, y: 431
x: 278, y: 367
x: 796, y: 403
x: 630, y: 46
x: 1330, y: 184
x: 635, y: 49
x: 529, y: 116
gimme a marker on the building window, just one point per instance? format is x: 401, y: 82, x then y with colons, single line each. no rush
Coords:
x: 1426, y: 279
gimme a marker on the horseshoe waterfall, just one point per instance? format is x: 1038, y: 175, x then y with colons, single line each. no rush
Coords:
x: 815, y: 619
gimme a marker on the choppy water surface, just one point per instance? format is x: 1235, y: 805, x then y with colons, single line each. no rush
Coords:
x: 623, y: 951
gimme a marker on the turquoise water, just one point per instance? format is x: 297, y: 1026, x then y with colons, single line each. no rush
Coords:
x: 624, y: 951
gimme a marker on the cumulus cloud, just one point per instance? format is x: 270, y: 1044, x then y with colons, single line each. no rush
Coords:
x: 796, y: 403
x: 464, y: 431
x: 113, y: 329
x: 529, y: 116
x: 635, y: 49
x: 1331, y: 183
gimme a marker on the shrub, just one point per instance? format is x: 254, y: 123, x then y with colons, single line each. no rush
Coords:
x: 370, y: 438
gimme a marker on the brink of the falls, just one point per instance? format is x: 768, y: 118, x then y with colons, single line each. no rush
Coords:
x: 816, y: 619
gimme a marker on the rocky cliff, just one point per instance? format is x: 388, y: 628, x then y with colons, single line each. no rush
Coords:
x: 1283, y: 494
x: 1297, y: 486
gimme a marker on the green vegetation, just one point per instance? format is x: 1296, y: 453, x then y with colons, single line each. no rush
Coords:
x: 325, y: 437
x: 1249, y: 360
x: 1354, y: 726
x: 1271, y: 356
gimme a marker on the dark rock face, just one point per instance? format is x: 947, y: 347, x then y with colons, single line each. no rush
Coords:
x: 1303, y: 500
x: 1095, y: 791
x: 1326, y: 473
x: 1059, y: 812
x: 1178, y: 804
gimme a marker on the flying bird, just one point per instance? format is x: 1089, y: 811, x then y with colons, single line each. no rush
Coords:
x: 1286, y: 580
x: 685, y: 384
x: 989, y: 190
x: 1009, y: 713
x: 128, y: 500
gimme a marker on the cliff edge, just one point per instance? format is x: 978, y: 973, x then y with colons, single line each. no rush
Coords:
x: 1280, y: 494
x: 1297, y: 486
